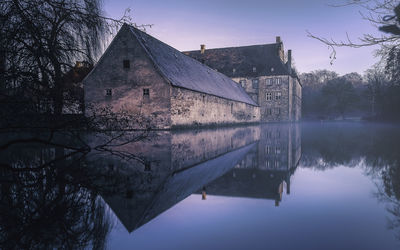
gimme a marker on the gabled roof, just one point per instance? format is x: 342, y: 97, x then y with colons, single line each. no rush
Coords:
x: 186, y: 72
x: 264, y: 57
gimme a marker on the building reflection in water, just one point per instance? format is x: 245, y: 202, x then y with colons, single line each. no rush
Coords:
x: 266, y: 169
x: 253, y: 162
x: 138, y: 181
x: 181, y: 163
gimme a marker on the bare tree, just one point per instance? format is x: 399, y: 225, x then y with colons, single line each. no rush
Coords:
x: 42, y: 39
x: 383, y: 14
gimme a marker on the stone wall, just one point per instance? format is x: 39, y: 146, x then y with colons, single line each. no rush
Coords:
x: 127, y: 85
x: 190, y: 108
x: 297, y: 97
x: 278, y: 108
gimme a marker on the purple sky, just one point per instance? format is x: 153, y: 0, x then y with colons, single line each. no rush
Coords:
x: 185, y: 24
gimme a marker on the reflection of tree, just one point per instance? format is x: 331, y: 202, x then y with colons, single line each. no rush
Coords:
x: 50, y: 192
x: 50, y: 208
x: 389, y: 193
x: 327, y: 146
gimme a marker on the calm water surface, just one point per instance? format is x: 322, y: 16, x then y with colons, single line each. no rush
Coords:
x: 303, y: 186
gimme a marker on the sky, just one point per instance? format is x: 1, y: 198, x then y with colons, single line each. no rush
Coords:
x: 185, y: 24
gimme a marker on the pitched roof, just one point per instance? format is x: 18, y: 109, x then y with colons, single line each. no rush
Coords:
x: 264, y: 57
x: 186, y: 72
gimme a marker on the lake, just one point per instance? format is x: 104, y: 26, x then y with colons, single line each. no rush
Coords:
x: 276, y: 186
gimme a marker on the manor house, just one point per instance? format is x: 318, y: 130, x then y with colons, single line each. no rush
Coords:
x: 263, y: 72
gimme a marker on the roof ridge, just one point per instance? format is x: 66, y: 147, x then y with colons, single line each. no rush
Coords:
x: 235, y: 47
x: 241, y: 95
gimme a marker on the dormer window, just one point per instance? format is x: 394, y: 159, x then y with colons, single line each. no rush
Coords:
x: 254, y: 69
x: 127, y: 64
x: 108, y: 92
x: 233, y: 70
x: 272, y: 69
x: 255, y: 83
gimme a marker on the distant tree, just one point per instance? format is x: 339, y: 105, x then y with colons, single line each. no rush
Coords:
x: 40, y: 40
x: 392, y: 67
x: 355, y: 79
x: 338, y: 95
x: 376, y: 84
x: 313, y: 82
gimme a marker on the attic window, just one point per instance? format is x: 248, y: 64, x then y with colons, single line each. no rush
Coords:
x: 108, y: 92
x: 127, y: 64
x: 254, y: 69
x: 233, y: 70
x: 272, y: 69
x: 146, y: 93
x: 255, y: 83
x: 268, y: 81
x: 243, y: 83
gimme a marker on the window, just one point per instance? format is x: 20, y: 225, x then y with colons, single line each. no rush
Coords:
x: 268, y: 96
x: 277, y: 164
x: 278, y: 111
x: 233, y: 70
x: 255, y: 83
x: 268, y: 81
x: 268, y: 111
x: 243, y: 83
x: 277, y: 150
x: 267, y: 150
x: 278, y: 81
x: 278, y: 95
x: 254, y: 69
x: 127, y: 64
x: 231, y: 108
x: 108, y: 92
x: 146, y: 93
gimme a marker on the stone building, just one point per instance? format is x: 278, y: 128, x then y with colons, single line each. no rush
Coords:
x: 141, y: 75
x: 263, y: 72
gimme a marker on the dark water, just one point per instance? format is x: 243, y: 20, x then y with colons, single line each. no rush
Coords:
x: 308, y: 186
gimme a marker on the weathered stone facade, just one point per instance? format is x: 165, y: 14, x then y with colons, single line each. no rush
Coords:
x: 262, y: 71
x: 194, y: 108
x: 127, y: 84
x: 272, y: 93
x: 130, y: 78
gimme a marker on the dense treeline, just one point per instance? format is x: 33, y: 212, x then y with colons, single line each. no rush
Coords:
x: 375, y: 95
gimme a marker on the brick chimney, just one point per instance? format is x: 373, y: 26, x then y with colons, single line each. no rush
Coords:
x: 281, y: 51
x: 289, y: 61
x: 202, y: 48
